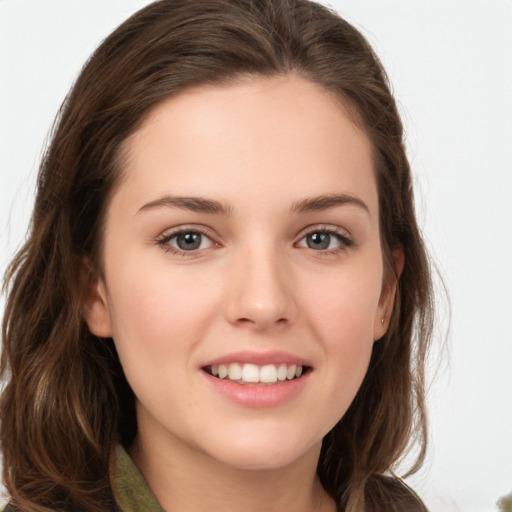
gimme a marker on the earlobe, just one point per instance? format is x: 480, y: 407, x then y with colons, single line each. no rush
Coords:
x: 95, y: 307
x: 387, y: 298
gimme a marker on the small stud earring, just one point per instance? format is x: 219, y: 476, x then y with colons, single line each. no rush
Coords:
x: 382, y: 320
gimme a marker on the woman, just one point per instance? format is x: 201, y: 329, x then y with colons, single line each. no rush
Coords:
x: 215, y: 305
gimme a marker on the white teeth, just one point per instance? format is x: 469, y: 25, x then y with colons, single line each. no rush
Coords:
x: 235, y: 371
x: 223, y: 371
x: 251, y: 373
x: 268, y: 373
x: 282, y: 371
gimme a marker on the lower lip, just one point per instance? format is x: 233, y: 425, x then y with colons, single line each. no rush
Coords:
x: 258, y: 395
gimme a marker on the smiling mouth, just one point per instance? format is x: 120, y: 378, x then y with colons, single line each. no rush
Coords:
x: 254, y: 374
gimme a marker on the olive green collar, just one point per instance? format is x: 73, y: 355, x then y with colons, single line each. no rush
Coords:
x: 132, y: 492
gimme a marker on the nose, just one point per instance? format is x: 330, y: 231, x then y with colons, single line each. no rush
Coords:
x: 261, y: 291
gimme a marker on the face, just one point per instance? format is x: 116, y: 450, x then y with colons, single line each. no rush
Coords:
x: 243, y: 273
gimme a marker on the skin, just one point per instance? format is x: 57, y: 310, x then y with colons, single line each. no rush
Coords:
x: 259, y: 147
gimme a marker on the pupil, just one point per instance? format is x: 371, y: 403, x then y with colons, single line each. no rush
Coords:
x: 189, y: 241
x: 318, y: 240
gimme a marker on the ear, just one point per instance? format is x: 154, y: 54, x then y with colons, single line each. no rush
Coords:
x: 95, y: 305
x: 387, y: 296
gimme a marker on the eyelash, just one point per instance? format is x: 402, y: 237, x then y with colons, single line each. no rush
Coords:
x: 164, y: 240
x: 342, y: 237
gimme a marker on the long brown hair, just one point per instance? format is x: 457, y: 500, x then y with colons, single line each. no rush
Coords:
x: 66, y: 402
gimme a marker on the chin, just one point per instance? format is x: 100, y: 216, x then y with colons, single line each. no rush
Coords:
x: 266, y: 452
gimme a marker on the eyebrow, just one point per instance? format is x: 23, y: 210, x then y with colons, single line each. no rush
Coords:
x: 193, y: 204
x: 211, y: 206
x: 328, y: 201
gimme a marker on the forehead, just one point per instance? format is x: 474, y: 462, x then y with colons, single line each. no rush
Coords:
x: 284, y: 132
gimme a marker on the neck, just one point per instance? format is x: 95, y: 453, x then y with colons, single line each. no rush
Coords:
x: 187, y: 481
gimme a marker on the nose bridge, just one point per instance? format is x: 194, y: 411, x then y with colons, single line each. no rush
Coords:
x: 261, y: 291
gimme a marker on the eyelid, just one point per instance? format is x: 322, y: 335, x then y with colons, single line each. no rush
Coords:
x: 327, y: 228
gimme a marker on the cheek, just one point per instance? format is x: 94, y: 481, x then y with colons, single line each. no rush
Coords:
x: 156, y: 311
x: 159, y: 317
x: 342, y: 315
x: 343, y: 307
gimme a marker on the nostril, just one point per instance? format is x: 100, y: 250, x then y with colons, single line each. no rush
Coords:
x: 260, y: 322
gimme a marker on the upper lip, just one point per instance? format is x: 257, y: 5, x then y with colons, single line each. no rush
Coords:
x: 257, y: 358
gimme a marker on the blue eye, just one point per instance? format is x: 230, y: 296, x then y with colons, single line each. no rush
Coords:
x: 319, y: 241
x: 187, y: 241
x: 325, y: 240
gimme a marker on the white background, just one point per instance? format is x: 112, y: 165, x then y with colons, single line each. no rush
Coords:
x: 450, y: 62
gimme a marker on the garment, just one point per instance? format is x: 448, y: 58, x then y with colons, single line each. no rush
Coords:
x: 132, y: 491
